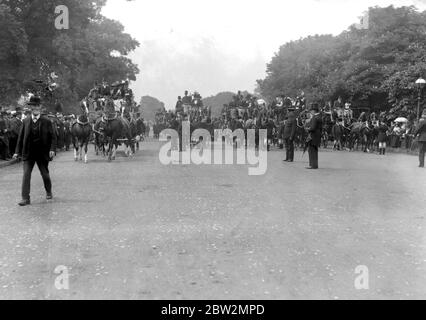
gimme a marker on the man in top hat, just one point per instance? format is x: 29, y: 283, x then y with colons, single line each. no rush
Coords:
x: 187, y: 98
x: 421, y: 133
x: 36, y: 145
x: 315, y: 132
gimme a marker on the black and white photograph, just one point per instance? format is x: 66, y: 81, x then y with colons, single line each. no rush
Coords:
x: 240, y: 151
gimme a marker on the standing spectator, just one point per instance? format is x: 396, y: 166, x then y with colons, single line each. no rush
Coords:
x: 396, y: 136
x: 289, y: 135
x: 315, y: 131
x: 409, y: 136
x: 421, y: 132
x: 36, y: 145
x: 382, y: 137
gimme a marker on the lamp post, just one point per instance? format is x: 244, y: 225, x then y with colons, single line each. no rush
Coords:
x: 420, y: 83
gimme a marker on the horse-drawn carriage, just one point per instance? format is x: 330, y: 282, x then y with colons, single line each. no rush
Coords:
x: 111, y: 117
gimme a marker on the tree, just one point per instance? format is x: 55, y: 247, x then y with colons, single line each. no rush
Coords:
x: 376, y: 67
x: 150, y: 106
x: 92, y: 49
x: 216, y: 102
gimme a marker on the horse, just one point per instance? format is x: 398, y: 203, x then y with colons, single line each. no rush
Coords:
x: 140, y: 131
x: 133, y: 131
x: 354, y: 137
x: 111, y: 130
x: 362, y: 133
x: 369, y: 134
x: 301, y: 130
x: 81, y: 132
x: 326, y: 132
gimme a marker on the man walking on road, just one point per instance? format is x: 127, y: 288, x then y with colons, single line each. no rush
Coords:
x: 315, y: 132
x: 421, y: 132
x: 36, y: 144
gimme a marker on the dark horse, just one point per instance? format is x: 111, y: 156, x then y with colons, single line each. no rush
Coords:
x: 364, y: 134
x: 81, y: 132
x: 111, y: 130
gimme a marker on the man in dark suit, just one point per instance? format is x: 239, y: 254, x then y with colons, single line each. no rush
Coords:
x: 36, y: 145
x: 315, y: 132
x: 421, y: 132
x: 288, y: 136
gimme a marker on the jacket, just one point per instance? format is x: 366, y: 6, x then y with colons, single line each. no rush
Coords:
x: 47, y: 137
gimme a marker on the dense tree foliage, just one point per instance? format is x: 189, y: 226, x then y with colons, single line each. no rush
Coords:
x: 92, y: 49
x: 375, y: 67
x: 150, y: 106
x: 216, y: 102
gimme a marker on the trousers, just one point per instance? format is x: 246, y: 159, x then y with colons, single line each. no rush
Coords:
x: 313, y: 156
x: 43, y: 166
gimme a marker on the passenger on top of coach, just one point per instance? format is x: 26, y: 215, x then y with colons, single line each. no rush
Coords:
x: 179, y: 105
x: 187, y: 99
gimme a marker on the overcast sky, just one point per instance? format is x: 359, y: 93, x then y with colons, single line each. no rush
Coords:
x: 223, y: 45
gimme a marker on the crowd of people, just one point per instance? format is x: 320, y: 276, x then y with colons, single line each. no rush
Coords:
x: 343, y: 126
x: 118, y: 91
x: 11, y: 123
x: 35, y: 135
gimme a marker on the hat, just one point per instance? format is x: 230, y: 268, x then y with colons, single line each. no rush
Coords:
x: 34, y: 101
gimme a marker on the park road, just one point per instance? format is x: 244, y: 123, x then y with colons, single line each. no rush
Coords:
x: 135, y: 229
